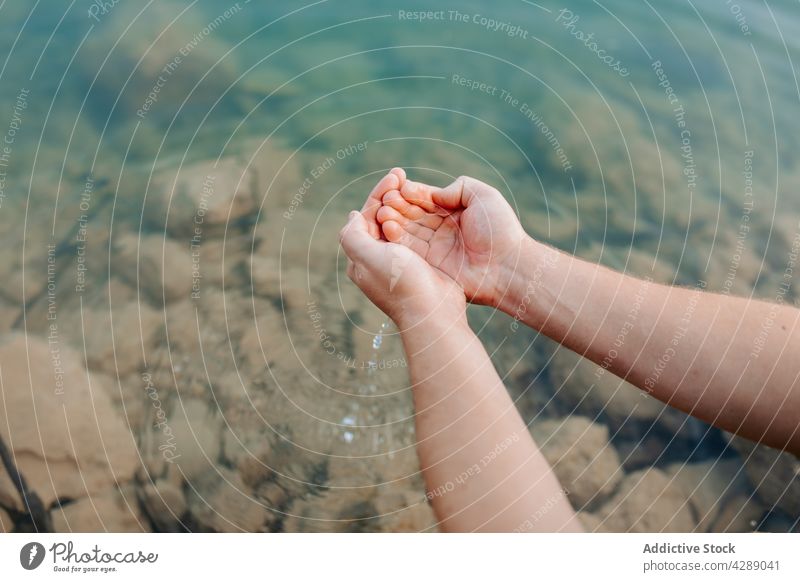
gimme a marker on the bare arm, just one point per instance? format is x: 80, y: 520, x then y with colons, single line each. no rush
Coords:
x: 482, y: 469
x: 481, y: 466
x: 730, y: 361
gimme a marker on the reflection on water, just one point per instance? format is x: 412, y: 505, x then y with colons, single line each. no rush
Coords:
x: 172, y: 180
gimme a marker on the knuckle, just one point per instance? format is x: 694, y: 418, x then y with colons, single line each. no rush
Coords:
x: 467, y: 182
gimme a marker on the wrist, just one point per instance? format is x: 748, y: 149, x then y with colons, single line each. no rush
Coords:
x: 431, y: 320
x: 525, y: 280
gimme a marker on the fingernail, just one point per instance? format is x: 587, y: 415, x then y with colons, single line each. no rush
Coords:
x: 353, y: 214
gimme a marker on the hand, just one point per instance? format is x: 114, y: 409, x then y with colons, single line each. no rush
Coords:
x: 397, y: 280
x: 467, y: 230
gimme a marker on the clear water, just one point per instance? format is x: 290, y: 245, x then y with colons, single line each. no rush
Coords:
x: 612, y: 161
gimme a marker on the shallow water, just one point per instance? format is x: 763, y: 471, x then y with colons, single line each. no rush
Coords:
x: 676, y: 159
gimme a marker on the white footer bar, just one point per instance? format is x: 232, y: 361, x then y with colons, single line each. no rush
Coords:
x: 402, y: 557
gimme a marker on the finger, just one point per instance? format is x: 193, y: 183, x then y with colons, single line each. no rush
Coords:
x: 419, y: 194
x: 356, y: 240
x: 401, y: 176
x: 387, y: 213
x: 390, y: 181
x: 395, y: 200
x: 373, y: 202
x: 396, y: 234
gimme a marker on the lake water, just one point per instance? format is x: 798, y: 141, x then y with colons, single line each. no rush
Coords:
x: 654, y: 137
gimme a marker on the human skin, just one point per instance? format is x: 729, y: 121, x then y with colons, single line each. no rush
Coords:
x: 730, y: 361
x: 482, y: 469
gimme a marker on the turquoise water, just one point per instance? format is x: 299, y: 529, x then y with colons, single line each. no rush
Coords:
x: 657, y: 138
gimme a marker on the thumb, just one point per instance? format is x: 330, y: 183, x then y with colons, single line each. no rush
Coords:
x: 357, y: 242
x: 462, y: 193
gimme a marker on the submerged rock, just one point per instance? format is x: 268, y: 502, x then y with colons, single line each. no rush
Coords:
x: 741, y: 513
x: 150, y: 61
x: 707, y: 486
x: 404, y: 511
x: 67, y: 439
x: 115, y: 340
x: 8, y: 315
x: 647, y: 501
x: 198, y: 200
x: 220, y: 501
x: 775, y: 475
x: 265, y: 276
x: 197, y: 437
x: 24, y: 276
x: 130, y: 398
x: 113, y: 511
x: 6, y: 524
x: 586, y: 387
x: 581, y: 456
x: 591, y: 522
x: 8, y: 493
x: 222, y: 262
x: 164, y: 504
x: 777, y: 521
x: 159, y: 267
x: 333, y: 510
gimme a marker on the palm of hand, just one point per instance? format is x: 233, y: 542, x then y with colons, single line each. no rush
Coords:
x: 398, y: 280
x: 470, y: 245
x: 414, y: 278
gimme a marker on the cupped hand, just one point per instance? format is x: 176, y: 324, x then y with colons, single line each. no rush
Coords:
x: 395, y: 278
x: 467, y: 230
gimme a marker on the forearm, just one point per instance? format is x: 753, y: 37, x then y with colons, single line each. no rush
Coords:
x: 730, y: 361
x: 481, y: 467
